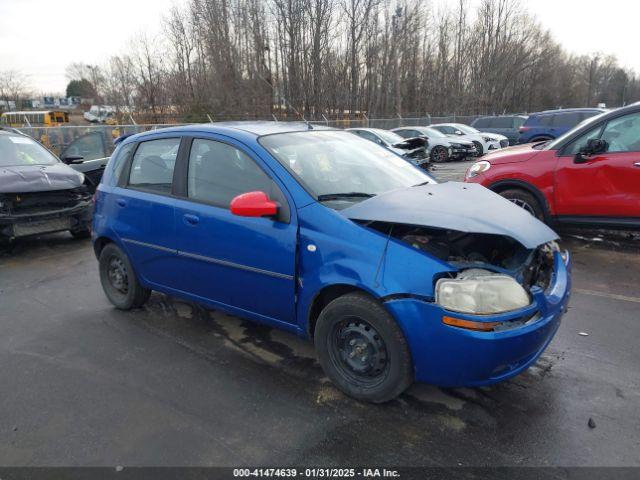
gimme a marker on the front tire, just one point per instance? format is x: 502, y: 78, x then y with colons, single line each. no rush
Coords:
x: 81, y: 233
x: 439, y: 154
x: 525, y: 200
x: 119, y: 280
x: 479, y: 148
x: 362, y: 349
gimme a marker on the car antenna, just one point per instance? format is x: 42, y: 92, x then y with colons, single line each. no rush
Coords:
x: 309, y: 125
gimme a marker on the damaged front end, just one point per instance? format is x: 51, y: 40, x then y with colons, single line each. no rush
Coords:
x: 498, y: 288
x: 33, y: 213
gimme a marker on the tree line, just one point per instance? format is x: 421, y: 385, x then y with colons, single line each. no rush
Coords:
x: 257, y: 58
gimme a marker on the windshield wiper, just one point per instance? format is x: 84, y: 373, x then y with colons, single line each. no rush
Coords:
x: 338, y: 196
x: 421, y: 184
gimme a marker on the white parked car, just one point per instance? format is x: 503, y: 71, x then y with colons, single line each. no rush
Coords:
x: 483, y: 141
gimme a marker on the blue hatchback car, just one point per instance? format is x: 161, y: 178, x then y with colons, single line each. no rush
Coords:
x: 551, y: 124
x: 313, y: 230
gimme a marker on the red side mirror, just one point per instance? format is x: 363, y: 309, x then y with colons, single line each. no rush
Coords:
x: 253, y: 204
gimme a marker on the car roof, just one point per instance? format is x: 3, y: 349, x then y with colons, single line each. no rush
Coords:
x: 521, y: 115
x: 569, y: 110
x: 254, y: 128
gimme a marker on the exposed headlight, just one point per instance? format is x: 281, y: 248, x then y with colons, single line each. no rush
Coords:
x: 481, y: 292
x: 487, y: 139
x: 478, y: 168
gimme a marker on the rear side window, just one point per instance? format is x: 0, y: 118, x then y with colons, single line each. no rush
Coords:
x: 482, y: 123
x: 120, y: 160
x: 543, y: 120
x: 518, y: 122
x: 153, y: 164
x: 567, y: 119
x: 502, y: 122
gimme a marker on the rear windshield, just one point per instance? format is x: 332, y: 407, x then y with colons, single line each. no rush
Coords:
x: 19, y: 150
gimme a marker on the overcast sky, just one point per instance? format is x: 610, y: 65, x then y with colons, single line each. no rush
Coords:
x: 41, y: 37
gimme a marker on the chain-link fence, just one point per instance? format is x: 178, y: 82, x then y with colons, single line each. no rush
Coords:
x: 96, y: 141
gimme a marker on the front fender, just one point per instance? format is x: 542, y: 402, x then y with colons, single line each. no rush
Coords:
x: 336, y: 251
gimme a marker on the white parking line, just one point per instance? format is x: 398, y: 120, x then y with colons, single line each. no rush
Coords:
x: 612, y: 296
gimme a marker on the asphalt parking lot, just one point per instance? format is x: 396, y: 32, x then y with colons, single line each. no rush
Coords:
x: 174, y: 384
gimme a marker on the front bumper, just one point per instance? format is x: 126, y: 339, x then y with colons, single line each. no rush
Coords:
x: 77, y: 217
x: 463, y: 152
x: 449, y: 356
x: 494, y: 145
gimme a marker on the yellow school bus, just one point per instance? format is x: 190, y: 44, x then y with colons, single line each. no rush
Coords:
x: 46, y: 118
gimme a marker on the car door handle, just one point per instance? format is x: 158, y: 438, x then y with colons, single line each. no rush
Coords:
x: 637, y: 164
x: 121, y: 202
x: 191, y: 219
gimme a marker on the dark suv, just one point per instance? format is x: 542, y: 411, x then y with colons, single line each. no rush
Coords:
x: 507, y: 125
x: 550, y: 124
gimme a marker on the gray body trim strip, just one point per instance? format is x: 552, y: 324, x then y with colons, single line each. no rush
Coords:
x: 149, y: 245
x: 203, y: 258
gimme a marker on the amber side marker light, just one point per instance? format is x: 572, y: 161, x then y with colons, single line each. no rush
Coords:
x: 470, y: 325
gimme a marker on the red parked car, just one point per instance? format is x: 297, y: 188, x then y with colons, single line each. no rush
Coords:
x: 590, y: 175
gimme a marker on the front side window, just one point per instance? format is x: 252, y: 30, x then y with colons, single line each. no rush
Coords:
x: 581, y: 142
x: 330, y: 163
x: 445, y: 129
x: 89, y: 146
x: 153, y: 164
x: 623, y: 134
x: 218, y: 172
x: 19, y: 150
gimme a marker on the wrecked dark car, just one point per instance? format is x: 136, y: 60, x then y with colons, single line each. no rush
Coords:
x: 395, y: 277
x: 39, y: 193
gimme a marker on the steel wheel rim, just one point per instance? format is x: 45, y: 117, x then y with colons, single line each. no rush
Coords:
x: 117, y: 275
x: 358, y: 351
x: 524, y: 205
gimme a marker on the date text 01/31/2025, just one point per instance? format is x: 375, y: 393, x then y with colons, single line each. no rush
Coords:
x: 316, y: 472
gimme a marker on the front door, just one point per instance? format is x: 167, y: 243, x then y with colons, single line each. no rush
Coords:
x: 607, y: 184
x: 242, y: 262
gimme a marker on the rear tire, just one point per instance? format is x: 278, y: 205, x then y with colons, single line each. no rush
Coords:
x: 119, y: 280
x: 525, y: 200
x: 362, y: 349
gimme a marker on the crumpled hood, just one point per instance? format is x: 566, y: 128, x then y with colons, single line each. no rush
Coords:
x: 39, y: 178
x: 457, y: 206
x: 518, y: 153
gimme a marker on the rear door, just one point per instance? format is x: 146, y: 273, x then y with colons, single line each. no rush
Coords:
x: 607, y: 184
x: 243, y: 262
x: 142, y: 210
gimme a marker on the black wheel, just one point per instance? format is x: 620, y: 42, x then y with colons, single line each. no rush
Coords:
x: 119, y: 281
x: 81, y: 233
x: 525, y: 200
x: 362, y: 349
x: 439, y: 154
x: 479, y: 149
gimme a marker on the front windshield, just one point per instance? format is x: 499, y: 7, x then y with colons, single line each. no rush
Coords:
x: 18, y: 150
x: 467, y: 129
x: 389, y: 137
x: 336, y: 162
x: 554, y: 144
